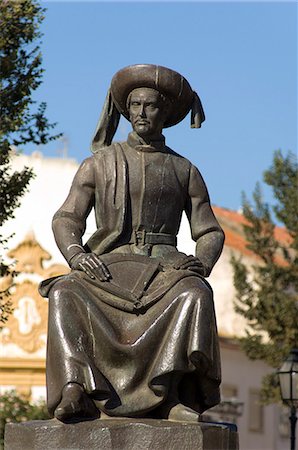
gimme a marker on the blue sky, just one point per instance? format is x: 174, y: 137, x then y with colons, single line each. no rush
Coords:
x: 240, y: 57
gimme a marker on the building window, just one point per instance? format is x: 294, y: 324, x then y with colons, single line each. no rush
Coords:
x: 229, y: 392
x: 284, y: 423
x: 255, y: 411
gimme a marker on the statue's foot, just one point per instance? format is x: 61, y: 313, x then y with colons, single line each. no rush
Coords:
x: 178, y: 412
x: 182, y: 412
x: 75, y: 405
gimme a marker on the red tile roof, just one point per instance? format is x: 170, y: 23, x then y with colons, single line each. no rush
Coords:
x: 232, y: 222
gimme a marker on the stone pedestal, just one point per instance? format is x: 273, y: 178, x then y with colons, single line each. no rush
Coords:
x: 119, y: 434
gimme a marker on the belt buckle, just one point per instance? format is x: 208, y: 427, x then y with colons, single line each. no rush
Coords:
x: 140, y: 236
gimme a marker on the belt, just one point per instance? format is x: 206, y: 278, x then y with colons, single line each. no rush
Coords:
x: 144, y: 237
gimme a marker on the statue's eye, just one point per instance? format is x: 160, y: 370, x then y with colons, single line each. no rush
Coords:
x: 152, y: 106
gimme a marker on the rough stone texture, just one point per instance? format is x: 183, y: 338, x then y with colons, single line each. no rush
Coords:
x: 119, y: 434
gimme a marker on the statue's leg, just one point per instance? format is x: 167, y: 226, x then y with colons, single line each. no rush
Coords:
x: 182, y: 402
x: 68, y: 350
x: 172, y: 408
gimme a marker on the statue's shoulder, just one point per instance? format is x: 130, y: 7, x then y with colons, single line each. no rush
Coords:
x: 179, y: 160
x: 107, y: 152
x: 86, y: 166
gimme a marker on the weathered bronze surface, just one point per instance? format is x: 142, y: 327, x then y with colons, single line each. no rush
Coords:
x: 132, y: 330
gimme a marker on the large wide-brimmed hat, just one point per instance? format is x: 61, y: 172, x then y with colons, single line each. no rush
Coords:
x: 170, y: 83
x: 167, y: 81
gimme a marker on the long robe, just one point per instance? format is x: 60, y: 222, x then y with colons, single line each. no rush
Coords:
x: 124, y: 340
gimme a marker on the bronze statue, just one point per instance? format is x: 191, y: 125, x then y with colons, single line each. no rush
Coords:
x: 132, y: 329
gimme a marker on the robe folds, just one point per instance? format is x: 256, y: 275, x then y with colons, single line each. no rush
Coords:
x: 125, y: 339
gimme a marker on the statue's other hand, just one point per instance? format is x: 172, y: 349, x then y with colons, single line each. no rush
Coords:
x: 190, y: 263
x: 91, y: 264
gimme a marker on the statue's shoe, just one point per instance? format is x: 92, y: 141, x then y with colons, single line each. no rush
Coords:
x: 75, y: 405
x: 181, y: 412
x: 177, y: 412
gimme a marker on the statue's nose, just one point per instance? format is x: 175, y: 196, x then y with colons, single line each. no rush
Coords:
x: 142, y: 111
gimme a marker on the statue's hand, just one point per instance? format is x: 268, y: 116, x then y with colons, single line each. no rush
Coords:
x: 191, y: 263
x: 91, y: 265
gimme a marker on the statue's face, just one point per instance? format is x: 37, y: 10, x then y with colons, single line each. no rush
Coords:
x: 146, y: 112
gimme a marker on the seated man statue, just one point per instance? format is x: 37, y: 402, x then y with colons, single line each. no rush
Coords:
x: 132, y: 329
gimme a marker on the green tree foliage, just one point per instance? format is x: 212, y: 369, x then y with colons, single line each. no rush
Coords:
x: 17, y: 408
x: 22, y: 120
x: 267, y: 295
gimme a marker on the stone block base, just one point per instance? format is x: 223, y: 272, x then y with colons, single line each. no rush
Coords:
x: 119, y: 434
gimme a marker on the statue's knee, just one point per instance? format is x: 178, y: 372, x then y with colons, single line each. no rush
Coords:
x: 201, y: 295
x: 59, y: 291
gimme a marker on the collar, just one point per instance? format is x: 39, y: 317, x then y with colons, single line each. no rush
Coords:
x: 138, y: 143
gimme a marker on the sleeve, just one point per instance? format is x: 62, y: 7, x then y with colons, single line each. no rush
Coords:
x: 205, y: 229
x: 69, y: 222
